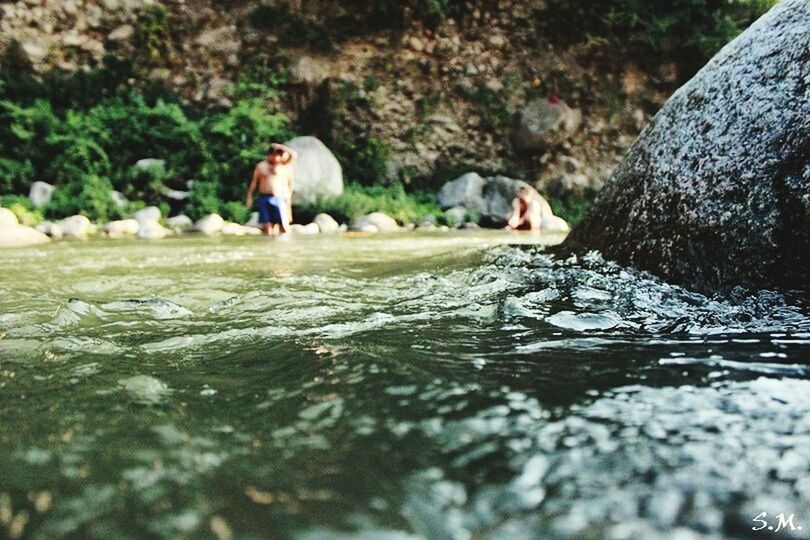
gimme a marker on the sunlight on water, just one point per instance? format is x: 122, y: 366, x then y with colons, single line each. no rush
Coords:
x: 439, y: 386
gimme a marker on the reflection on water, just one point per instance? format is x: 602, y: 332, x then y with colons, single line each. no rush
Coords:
x: 390, y: 387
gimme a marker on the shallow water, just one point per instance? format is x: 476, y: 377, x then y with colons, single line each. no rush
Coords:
x: 438, y: 386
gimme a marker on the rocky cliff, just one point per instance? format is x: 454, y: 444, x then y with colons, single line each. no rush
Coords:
x: 428, y: 96
x: 716, y: 191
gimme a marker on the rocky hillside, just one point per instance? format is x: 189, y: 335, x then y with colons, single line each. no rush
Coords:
x: 417, y: 91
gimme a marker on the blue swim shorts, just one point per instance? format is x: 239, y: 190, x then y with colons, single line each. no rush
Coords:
x: 271, y: 208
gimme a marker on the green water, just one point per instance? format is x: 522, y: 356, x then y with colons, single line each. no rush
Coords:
x: 437, y: 386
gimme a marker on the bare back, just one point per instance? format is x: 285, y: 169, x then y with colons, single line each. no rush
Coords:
x: 274, y: 179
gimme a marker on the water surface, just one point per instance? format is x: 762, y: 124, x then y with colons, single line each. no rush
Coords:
x: 436, y: 386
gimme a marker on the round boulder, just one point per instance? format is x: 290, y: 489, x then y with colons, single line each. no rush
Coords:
x: 78, y: 227
x: 326, y: 223
x: 7, y: 218
x: 210, y: 224
x: 380, y: 221
x: 121, y: 228
x: 715, y: 193
x: 20, y: 235
x: 317, y: 172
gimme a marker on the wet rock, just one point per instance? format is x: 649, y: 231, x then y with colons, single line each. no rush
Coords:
x: 77, y: 227
x: 380, y: 221
x: 456, y: 216
x: 326, y: 223
x: 491, y: 198
x: 541, y: 124
x: 716, y: 191
x: 13, y: 235
x: 210, y: 224
x: 318, y: 174
x: 150, y: 163
x: 180, y: 223
x: 40, y: 194
x: 121, y: 228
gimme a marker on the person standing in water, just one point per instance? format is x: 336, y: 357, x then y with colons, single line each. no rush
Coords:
x: 273, y: 177
x: 526, y: 214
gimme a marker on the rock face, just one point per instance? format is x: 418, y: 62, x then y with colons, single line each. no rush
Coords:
x: 77, y: 226
x: 318, y: 174
x: 491, y: 197
x: 541, y: 124
x: 715, y: 193
x: 122, y: 228
x: 8, y: 218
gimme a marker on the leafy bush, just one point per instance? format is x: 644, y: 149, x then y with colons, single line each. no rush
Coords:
x: 689, y: 30
x: 358, y: 200
x: 90, y: 196
x: 22, y: 208
x: 572, y: 207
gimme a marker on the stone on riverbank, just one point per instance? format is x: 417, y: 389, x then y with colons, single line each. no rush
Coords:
x: 13, y: 235
x: 54, y: 230
x: 235, y: 229
x: 210, y: 224
x: 77, y: 227
x: 122, y: 228
x: 308, y: 229
x: 380, y: 221
x: 318, y: 174
x: 555, y: 224
x: 180, y: 223
x: 326, y: 223
x: 715, y: 193
x: 147, y: 216
x: 491, y: 198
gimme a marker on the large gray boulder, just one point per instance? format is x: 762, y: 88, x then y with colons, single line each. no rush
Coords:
x: 541, y: 124
x: 716, y: 191
x: 491, y: 197
x: 318, y: 174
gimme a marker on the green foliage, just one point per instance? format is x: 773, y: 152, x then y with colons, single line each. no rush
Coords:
x: 292, y: 27
x: 690, y: 31
x: 237, y: 140
x: 358, y: 200
x: 235, y: 211
x: 89, y: 195
x: 22, y: 208
x: 492, y: 109
x: 204, y: 199
x: 152, y: 36
x: 364, y: 160
x: 572, y: 206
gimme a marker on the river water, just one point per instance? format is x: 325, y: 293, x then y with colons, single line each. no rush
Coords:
x: 416, y: 386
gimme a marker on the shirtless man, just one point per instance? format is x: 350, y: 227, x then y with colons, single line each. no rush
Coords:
x: 526, y: 214
x: 273, y: 177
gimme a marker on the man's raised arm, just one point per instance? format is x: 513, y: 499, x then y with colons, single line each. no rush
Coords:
x: 293, y: 153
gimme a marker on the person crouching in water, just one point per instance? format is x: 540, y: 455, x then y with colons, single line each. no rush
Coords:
x: 526, y: 214
x: 273, y: 177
